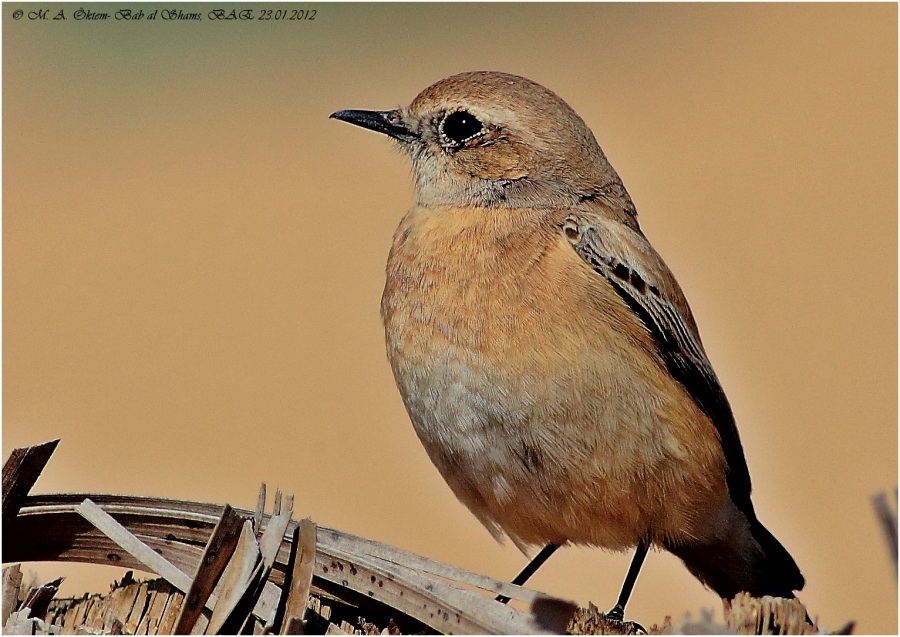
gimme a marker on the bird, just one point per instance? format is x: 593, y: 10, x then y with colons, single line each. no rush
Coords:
x: 546, y: 356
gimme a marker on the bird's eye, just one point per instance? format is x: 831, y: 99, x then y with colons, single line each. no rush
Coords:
x: 459, y: 127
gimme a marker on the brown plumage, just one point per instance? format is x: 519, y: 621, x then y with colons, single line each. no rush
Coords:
x: 546, y: 355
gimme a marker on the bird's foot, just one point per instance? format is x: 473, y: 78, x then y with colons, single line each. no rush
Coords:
x: 617, y: 617
x: 617, y: 614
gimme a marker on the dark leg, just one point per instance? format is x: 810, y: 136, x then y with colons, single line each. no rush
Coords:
x: 531, y: 568
x: 618, y: 611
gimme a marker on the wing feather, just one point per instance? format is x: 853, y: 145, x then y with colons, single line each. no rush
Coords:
x: 639, y: 276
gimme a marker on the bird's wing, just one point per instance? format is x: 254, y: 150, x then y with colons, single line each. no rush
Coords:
x: 639, y: 276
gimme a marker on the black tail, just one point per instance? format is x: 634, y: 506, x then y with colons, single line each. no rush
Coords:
x: 778, y: 571
x: 747, y: 559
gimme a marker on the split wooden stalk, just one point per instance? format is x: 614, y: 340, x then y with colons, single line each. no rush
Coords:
x: 301, y: 567
x: 251, y: 581
x: 12, y: 580
x: 20, y: 471
x: 221, y: 546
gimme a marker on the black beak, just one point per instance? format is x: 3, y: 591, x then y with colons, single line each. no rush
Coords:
x: 388, y: 122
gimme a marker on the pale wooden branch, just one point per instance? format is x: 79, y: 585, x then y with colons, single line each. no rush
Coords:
x: 144, y: 554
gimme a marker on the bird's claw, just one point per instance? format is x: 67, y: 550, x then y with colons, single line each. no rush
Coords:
x: 617, y: 616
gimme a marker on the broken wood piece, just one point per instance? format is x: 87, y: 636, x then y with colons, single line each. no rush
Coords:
x: 269, y: 545
x: 138, y: 606
x: 117, y: 628
x: 273, y: 535
x: 144, y: 624
x: 20, y: 471
x: 301, y: 565
x: 39, y: 597
x: 241, y: 620
x: 260, y: 508
x: 119, y: 602
x: 236, y: 578
x: 218, y: 551
x: 163, y: 592
x: 20, y: 623
x: 12, y: 580
x: 334, y: 630
x: 137, y: 549
x: 747, y: 615
x: 170, y: 615
x: 276, y: 505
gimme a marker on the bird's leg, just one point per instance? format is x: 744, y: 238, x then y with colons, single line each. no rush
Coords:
x: 531, y: 568
x: 618, y: 611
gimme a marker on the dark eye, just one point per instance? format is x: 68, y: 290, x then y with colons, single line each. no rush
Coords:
x: 459, y: 127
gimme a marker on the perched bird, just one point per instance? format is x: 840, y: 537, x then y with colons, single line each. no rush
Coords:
x: 546, y: 355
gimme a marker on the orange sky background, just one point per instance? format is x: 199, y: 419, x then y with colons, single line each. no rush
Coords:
x: 193, y: 257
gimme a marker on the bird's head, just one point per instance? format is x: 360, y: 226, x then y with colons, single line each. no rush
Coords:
x: 495, y: 140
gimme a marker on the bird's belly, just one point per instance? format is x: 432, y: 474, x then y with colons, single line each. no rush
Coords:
x: 539, y: 415
x: 551, y: 462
